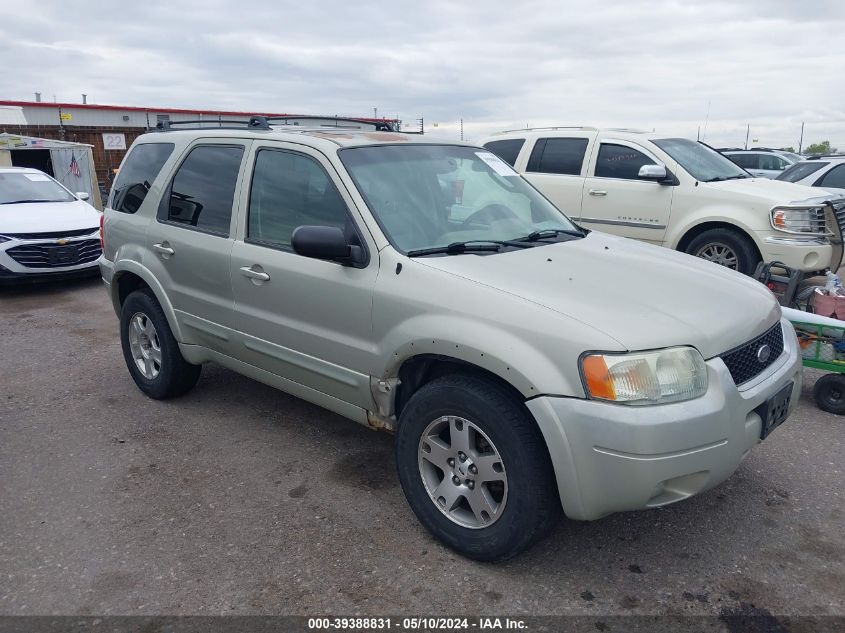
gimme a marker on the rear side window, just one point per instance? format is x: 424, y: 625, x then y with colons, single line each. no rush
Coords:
x: 620, y: 161
x: 746, y: 161
x: 558, y: 156
x: 799, y: 171
x: 834, y: 178
x: 507, y: 149
x: 772, y: 162
x: 137, y: 174
x: 291, y: 190
x: 203, y: 189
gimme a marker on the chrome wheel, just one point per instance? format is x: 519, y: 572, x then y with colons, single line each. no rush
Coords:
x: 144, y: 345
x: 463, y: 472
x: 719, y: 253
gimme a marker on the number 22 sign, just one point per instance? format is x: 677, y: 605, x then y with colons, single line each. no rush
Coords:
x: 114, y: 141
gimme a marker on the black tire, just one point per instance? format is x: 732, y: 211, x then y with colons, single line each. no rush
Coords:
x: 742, y: 247
x: 829, y: 392
x: 176, y: 376
x: 532, y: 505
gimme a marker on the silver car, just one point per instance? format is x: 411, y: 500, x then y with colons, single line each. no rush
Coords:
x: 526, y: 366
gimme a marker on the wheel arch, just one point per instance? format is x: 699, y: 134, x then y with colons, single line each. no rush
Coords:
x: 694, y: 231
x: 129, y: 276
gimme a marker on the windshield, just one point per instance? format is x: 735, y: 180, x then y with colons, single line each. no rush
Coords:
x: 430, y: 196
x: 789, y: 156
x: 799, y: 171
x: 700, y: 161
x: 31, y: 187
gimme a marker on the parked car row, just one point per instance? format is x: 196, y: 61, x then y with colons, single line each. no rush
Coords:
x: 762, y: 162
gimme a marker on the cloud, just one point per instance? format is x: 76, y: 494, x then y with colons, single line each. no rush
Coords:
x: 497, y: 65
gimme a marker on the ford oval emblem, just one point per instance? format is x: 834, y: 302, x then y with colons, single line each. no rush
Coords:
x: 763, y: 353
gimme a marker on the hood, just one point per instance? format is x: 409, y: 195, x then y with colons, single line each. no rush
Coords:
x: 47, y: 217
x: 772, y: 192
x: 643, y: 296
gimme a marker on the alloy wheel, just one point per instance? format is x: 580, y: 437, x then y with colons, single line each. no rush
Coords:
x: 144, y: 345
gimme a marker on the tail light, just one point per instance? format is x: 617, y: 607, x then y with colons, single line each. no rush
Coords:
x: 103, y: 231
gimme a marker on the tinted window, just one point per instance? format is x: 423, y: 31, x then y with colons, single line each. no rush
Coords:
x: 771, y: 162
x: 558, y: 156
x: 507, y: 150
x: 834, y: 178
x: 291, y: 190
x: 137, y: 174
x: 746, y: 161
x: 203, y: 189
x: 799, y: 171
x: 620, y: 161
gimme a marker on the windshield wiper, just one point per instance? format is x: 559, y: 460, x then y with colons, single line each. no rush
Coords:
x: 544, y: 233
x: 25, y: 201
x: 723, y: 178
x: 470, y: 246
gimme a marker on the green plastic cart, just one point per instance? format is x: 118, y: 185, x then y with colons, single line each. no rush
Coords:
x: 823, y: 347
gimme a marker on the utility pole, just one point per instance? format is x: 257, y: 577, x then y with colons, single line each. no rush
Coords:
x: 375, y: 113
x: 698, y: 134
x: 747, y: 132
x: 462, y: 128
x: 801, y: 140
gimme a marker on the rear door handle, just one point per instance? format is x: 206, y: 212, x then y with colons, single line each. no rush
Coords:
x: 164, y: 249
x: 598, y: 192
x: 256, y: 275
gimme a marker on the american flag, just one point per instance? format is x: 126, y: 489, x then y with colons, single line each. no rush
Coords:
x: 74, y: 166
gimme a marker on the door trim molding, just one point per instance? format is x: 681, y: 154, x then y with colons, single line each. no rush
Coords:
x: 639, y: 225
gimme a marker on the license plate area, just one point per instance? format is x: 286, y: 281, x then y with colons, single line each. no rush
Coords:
x: 64, y: 255
x: 774, y: 410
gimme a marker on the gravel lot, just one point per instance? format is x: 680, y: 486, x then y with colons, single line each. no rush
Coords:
x: 239, y: 499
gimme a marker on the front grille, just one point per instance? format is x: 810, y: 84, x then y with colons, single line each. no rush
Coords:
x: 56, y: 255
x: 52, y: 234
x: 744, y: 363
x: 839, y: 214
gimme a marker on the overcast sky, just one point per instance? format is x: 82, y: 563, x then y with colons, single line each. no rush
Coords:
x: 499, y: 65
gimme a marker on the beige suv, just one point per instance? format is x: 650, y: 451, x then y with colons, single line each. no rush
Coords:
x: 525, y: 365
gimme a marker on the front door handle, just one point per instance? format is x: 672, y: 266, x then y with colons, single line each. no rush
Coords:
x: 164, y: 249
x: 598, y: 192
x: 255, y: 273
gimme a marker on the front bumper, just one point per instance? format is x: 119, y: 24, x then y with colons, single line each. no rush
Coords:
x: 807, y: 255
x: 37, y: 264
x: 609, y: 458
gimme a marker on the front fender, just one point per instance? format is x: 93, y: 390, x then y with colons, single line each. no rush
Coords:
x: 521, y: 364
x: 720, y: 214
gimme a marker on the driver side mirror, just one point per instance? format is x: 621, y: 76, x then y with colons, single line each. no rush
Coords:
x: 82, y: 195
x: 327, y: 242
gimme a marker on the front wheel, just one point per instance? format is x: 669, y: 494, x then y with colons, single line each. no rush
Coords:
x: 726, y: 247
x: 474, y: 467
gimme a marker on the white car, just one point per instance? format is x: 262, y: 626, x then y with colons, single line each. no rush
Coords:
x: 761, y: 162
x: 677, y: 193
x: 46, y: 232
x: 827, y: 172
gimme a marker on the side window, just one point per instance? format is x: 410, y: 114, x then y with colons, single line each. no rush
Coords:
x: 620, y: 161
x: 290, y: 190
x: 203, y: 189
x: 771, y: 162
x: 506, y: 149
x: 746, y: 161
x: 137, y: 175
x: 558, y: 156
x: 834, y: 178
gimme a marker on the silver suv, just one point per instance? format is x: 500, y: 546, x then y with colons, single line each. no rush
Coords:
x: 526, y: 365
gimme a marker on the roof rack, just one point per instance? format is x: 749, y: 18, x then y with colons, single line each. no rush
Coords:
x: 817, y: 156
x: 556, y: 127
x: 260, y: 122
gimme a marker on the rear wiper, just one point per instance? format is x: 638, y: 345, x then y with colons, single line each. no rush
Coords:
x: 544, y: 233
x: 24, y: 201
x: 470, y: 246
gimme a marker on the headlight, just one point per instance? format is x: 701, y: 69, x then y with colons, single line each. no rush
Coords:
x: 658, y: 377
x: 800, y: 220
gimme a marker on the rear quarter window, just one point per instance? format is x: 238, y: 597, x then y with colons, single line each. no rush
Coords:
x: 137, y: 175
x: 506, y: 149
